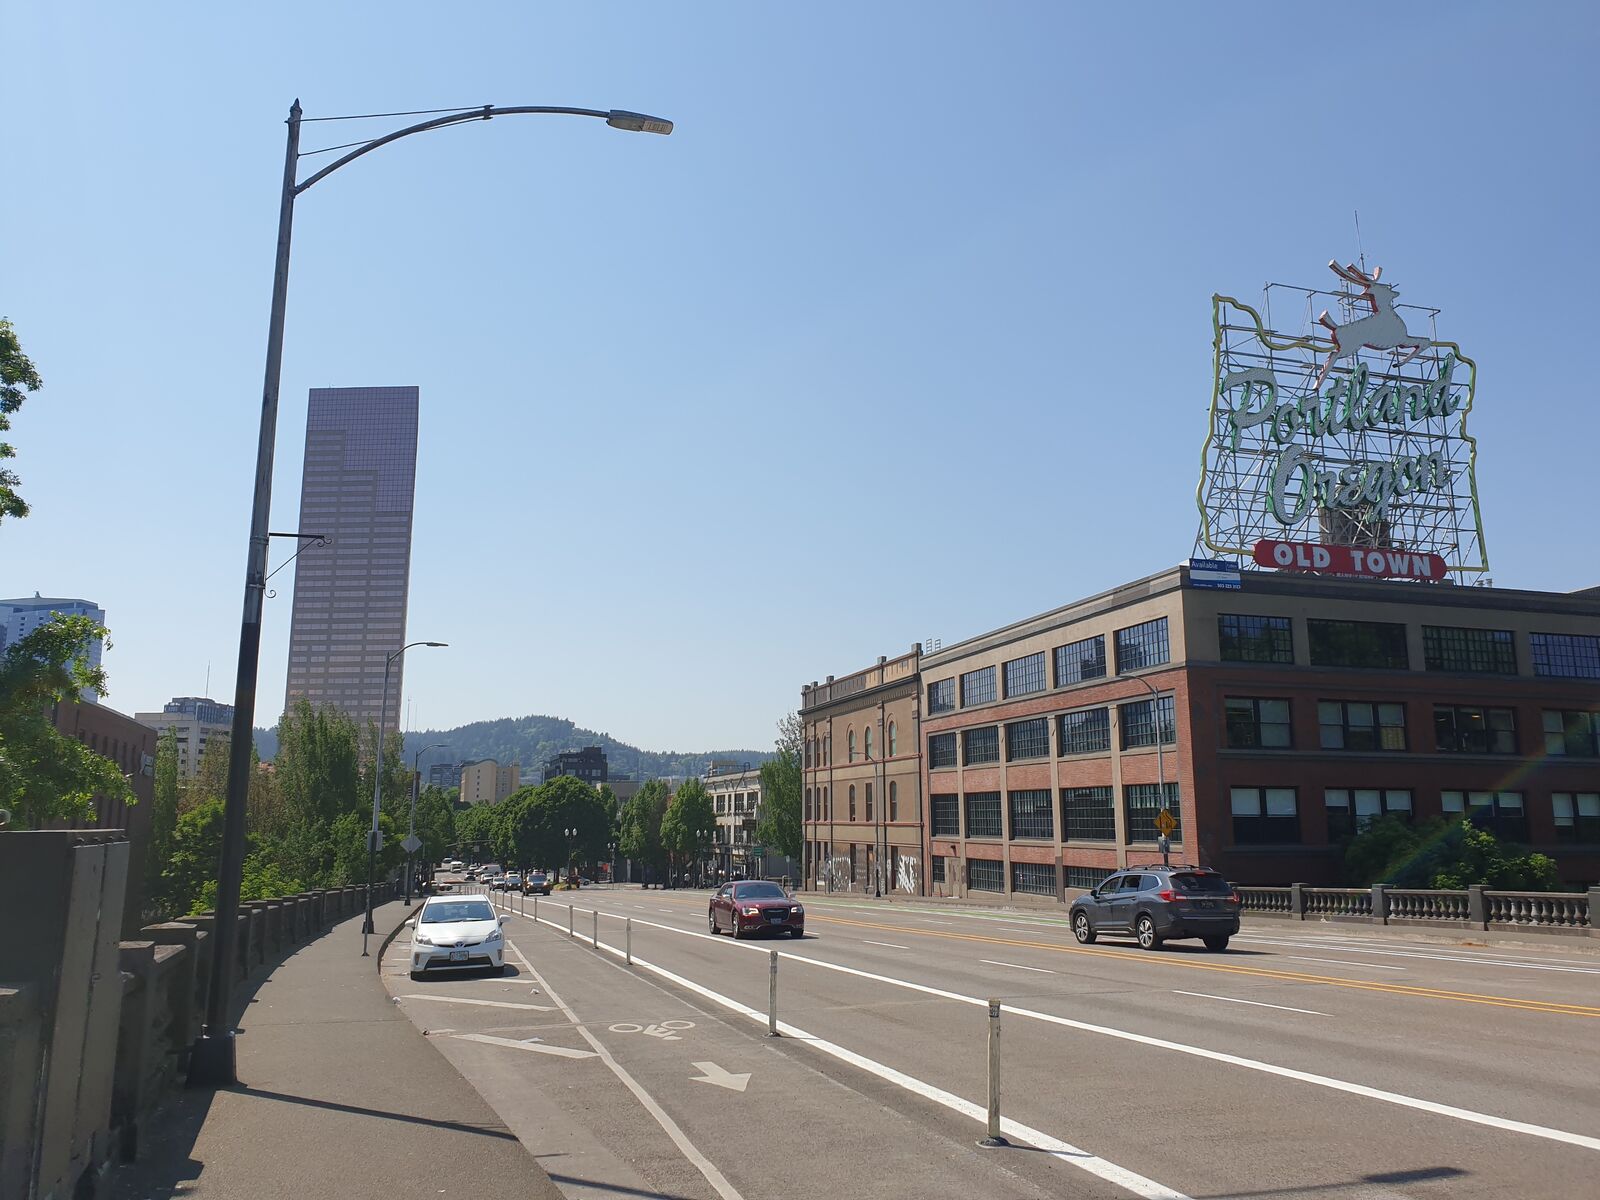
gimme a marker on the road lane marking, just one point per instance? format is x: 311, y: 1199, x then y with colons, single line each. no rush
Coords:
x: 536, y: 1047
x: 1017, y: 966
x: 1560, y: 964
x: 1550, y: 1007
x: 704, y: 1165
x: 711, y: 1073
x: 1149, y: 1189
x: 484, y: 1003
x: 1254, y: 1003
x: 1342, y: 962
x: 891, y: 945
x: 1339, y: 1085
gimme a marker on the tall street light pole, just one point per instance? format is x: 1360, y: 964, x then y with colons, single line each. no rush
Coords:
x: 212, y: 1061
x: 416, y: 791
x: 377, y: 785
x: 1161, y: 762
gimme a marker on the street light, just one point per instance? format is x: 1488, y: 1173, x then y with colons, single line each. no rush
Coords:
x: 212, y: 1061
x: 377, y: 785
x: 1164, y: 844
x: 416, y: 789
x: 571, y: 834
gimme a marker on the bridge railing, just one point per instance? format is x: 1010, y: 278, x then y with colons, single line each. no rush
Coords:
x: 1474, y: 907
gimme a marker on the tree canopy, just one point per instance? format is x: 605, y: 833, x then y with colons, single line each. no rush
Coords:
x: 690, y: 822
x: 778, y: 824
x: 18, y: 376
x: 640, y: 825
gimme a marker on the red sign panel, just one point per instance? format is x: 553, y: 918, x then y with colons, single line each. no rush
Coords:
x: 1362, y: 561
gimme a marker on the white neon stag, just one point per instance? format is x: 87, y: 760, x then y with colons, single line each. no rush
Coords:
x: 1382, y: 330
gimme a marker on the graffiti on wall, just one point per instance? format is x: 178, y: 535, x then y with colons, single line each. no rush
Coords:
x: 905, y: 871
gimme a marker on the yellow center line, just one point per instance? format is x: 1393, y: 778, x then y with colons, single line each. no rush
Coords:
x: 1396, y: 989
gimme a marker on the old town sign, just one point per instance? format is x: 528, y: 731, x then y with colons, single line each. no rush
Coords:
x: 1342, y: 448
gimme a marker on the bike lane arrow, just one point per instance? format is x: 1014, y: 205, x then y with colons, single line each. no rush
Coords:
x: 711, y: 1073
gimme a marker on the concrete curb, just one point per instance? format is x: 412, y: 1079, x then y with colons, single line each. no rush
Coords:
x: 383, y: 947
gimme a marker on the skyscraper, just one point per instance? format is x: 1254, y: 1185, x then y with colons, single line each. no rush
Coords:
x: 358, y: 487
x: 21, y: 616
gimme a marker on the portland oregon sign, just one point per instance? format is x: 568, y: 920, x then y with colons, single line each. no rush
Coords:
x: 1340, y: 446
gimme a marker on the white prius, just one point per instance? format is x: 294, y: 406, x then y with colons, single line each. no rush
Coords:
x: 456, y: 933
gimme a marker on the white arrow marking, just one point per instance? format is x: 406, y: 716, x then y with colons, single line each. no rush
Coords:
x: 484, y: 1003
x: 663, y: 1033
x: 559, y: 1051
x: 711, y: 1073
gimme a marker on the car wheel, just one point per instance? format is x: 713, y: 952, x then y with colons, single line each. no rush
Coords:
x: 1145, y: 928
x: 711, y: 920
x: 738, y: 934
x: 1217, y: 944
x: 1082, y: 930
x: 797, y: 934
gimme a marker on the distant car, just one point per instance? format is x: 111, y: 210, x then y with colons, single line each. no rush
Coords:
x: 456, y: 933
x: 754, y: 907
x: 471, y: 875
x: 1159, y: 903
x: 538, y: 883
x: 513, y: 881
x: 585, y: 881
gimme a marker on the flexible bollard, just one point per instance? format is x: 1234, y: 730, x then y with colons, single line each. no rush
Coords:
x: 772, y: 995
x: 628, y: 935
x: 994, y: 1138
x: 536, y: 906
x: 596, y: 939
x: 569, y: 920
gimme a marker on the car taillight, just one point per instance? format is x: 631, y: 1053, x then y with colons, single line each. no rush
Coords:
x: 1166, y: 894
x: 1235, y: 898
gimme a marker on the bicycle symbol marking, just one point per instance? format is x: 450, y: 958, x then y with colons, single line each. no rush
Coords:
x: 665, y: 1030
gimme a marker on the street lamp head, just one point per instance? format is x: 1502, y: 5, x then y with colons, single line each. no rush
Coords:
x: 620, y: 118
x: 435, y: 643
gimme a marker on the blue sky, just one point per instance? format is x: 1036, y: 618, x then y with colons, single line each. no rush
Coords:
x: 904, y: 333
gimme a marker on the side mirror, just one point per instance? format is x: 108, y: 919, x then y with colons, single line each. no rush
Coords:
x: 504, y: 919
x: 411, y: 921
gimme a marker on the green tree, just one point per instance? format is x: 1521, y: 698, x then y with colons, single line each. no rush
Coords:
x: 436, y: 824
x: 689, y: 823
x: 778, y: 824
x: 318, y: 765
x: 640, y: 826
x: 1440, y: 854
x: 17, y: 377
x: 163, y: 816
x: 475, y: 828
x: 45, y: 775
x: 196, y: 845
x: 1482, y: 858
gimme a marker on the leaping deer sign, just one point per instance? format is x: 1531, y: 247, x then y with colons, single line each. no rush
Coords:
x: 1382, y: 330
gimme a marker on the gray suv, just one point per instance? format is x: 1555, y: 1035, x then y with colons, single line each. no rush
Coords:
x: 1156, y: 903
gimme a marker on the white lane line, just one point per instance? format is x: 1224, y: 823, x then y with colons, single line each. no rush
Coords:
x: 1017, y: 966
x: 1254, y: 1003
x: 891, y: 945
x: 1343, y: 948
x: 704, y: 1165
x: 1251, y: 1064
x: 484, y: 1003
x: 536, y: 1047
x: 1344, y: 962
x: 1149, y: 1189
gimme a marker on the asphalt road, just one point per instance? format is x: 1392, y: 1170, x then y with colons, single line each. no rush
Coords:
x: 1308, y: 1060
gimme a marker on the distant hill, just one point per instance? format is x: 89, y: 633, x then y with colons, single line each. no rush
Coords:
x: 531, y: 740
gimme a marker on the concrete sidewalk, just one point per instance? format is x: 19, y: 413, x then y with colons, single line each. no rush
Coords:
x: 341, y: 1097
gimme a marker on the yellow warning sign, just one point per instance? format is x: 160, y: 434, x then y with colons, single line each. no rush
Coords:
x: 1166, y: 822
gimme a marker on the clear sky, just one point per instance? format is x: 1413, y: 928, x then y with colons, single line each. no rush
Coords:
x: 903, y: 333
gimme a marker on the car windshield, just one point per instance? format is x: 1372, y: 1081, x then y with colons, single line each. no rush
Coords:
x: 760, y: 891
x: 1209, y: 884
x: 457, y: 910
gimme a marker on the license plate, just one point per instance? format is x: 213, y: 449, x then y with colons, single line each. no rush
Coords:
x: 458, y: 956
x: 777, y: 916
x: 1205, y: 904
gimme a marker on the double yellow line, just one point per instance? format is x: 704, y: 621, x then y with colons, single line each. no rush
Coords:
x: 1394, y: 989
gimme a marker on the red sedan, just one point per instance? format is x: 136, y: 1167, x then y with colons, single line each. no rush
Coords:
x: 754, y: 906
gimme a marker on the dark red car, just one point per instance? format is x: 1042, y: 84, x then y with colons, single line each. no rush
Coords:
x: 754, y: 906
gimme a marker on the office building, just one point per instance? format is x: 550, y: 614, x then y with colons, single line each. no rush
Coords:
x: 485, y: 781
x: 587, y: 764
x: 358, y: 487
x: 195, y: 721
x: 444, y: 775
x: 21, y: 616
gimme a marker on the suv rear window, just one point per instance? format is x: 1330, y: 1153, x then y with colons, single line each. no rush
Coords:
x: 1208, y: 884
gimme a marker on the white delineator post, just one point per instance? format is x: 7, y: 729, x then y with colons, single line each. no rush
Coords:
x: 596, y: 938
x: 993, y: 1137
x: 772, y: 995
x: 628, y: 935
x: 569, y: 920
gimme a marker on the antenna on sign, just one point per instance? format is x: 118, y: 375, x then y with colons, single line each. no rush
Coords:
x: 1360, y: 251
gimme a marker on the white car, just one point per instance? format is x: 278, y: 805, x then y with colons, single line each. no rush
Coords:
x: 456, y: 933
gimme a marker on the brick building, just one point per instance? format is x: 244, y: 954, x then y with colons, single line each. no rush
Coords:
x: 1269, y: 721
x: 862, y: 790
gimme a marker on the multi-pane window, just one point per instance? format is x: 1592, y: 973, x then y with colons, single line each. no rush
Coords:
x: 1078, y: 661
x: 1470, y: 729
x: 894, y: 740
x: 1244, y: 638
x: 1502, y: 812
x: 983, y: 815
x: 945, y: 808
x: 869, y: 802
x: 1028, y: 739
x: 1565, y: 655
x: 1024, y: 676
x: 937, y: 869
x: 1352, y: 809
x: 866, y: 737
x: 1140, y: 720
x: 942, y: 696
x: 1039, y: 879
x: 1086, y: 732
x: 1577, y: 816
x: 1142, y: 802
x: 1031, y: 814
x: 986, y: 875
x: 852, y: 744
x: 1478, y: 651
x: 1269, y: 815
x: 1086, y: 877
x: 1088, y: 815
x: 1255, y: 724
x: 977, y: 687
x: 808, y: 804
x: 1375, y: 644
x: 1361, y: 725
x: 1571, y: 732
x: 1142, y: 645
x: 941, y: 750
x: 852, y: 802
x: 980, y: 745
x: 894, y: 802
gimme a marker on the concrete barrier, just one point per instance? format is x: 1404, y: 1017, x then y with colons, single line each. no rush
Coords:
x: 1475, y: 907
